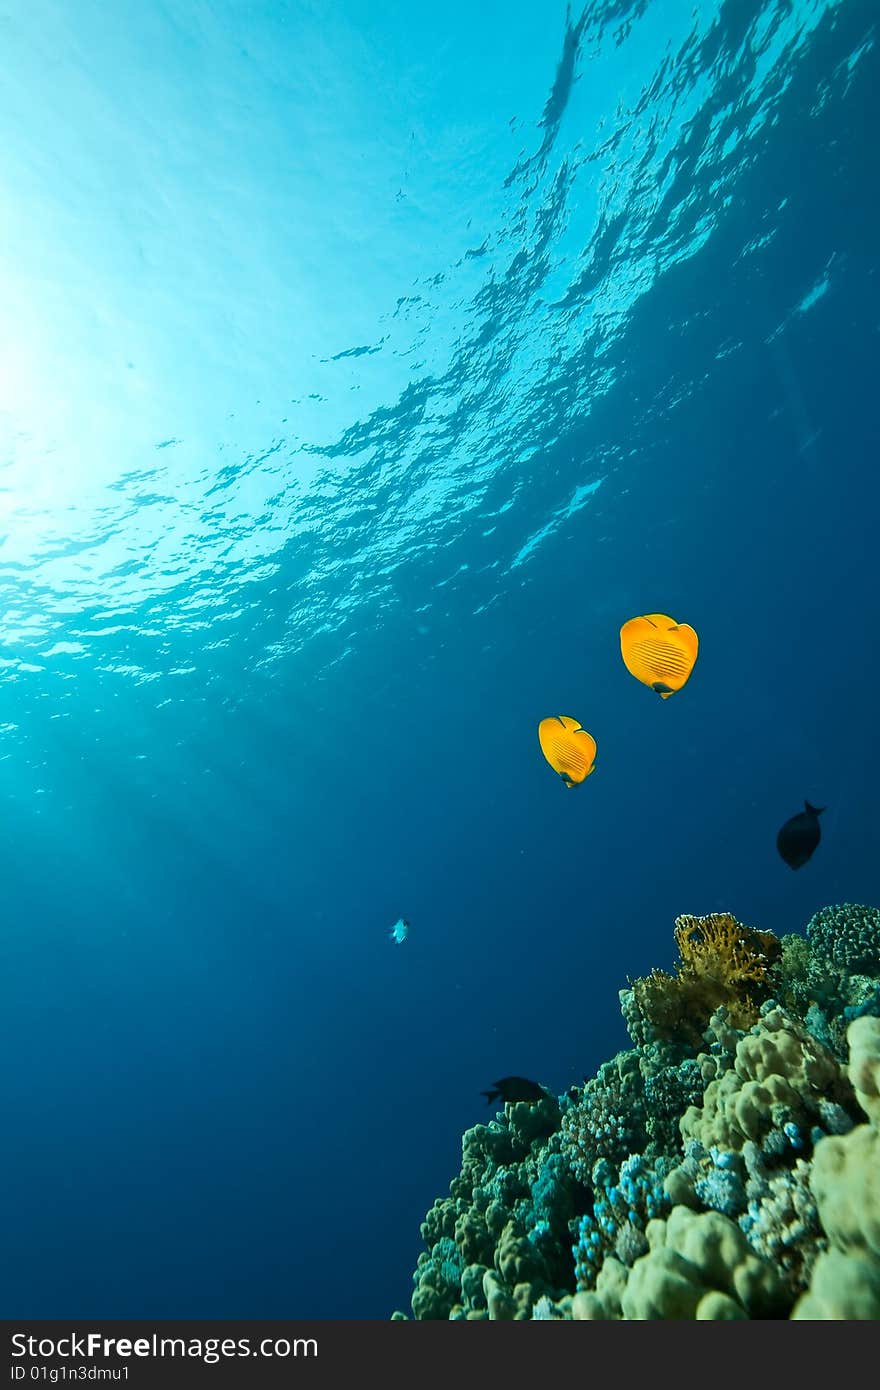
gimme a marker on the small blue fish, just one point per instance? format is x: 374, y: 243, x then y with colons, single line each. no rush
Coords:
x: 400, y: 930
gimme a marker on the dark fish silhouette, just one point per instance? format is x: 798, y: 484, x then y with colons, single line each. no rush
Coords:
x: 513, y: 1088
x: 799, y: 837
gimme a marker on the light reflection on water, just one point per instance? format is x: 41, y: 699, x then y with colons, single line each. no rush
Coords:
x: 266, y: 327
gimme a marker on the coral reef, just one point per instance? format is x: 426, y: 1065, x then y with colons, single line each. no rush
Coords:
x: 726, y: 1166
x: 721, y: 962
x: 624, y: 1202
x: 847, y: 936
x: 845, y: 1182
x: 814, y: 981
x: 780, y: 1078
x: 609, y: 1120
x: 700, y: 1265
x: 501, y: 1239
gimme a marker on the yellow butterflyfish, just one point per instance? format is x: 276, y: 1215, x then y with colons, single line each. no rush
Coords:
x: 568, y: 748
x: 659, y: 652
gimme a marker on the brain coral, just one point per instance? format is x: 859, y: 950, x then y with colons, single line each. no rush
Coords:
x: 848, y: 935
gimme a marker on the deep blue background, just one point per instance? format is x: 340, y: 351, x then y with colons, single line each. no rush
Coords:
x: 226, y: 1093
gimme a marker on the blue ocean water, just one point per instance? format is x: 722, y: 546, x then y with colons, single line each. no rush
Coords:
x: 363, y: 369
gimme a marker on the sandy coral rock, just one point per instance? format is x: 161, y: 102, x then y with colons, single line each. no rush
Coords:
x: 610, y: 1285
x: 472, y: 1239
x: 498, y: 1300
x: 863, y: 1036
x: 780, y: 1048
x: 679, y: 1187
x: 718, y: 1307
x: 588, y: 1307
x: 497, y: 1217
x: 718, y: 1248
x: 761, y: 1288
x: 734, y: 1110
x: 525, y: 1296
x: 845, y: 1182
x: 472, y: 1286
x: 695, y: 1255
x: 655, y: 1233
x: 516, y: 1259
x: 780, y: 1071
x: 714, y: 1244
x: 428, y: 1303
x: 439, y: 1221
x: 843, y: 1287
x: 662, y: 1284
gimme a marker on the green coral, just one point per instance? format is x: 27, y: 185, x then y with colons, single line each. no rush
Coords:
x: 845, y: 1181
x: 863, y: 1036
x: 803, y: 976
x: 608, y: 1119
x: 848, y: 936
x: 499, y: 1241
x: 818, y: 975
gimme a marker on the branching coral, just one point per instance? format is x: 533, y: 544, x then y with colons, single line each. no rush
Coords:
x: 501, y: 1238
x: 804, y: 976
x: 722, y: 962
x: 669, y: 1090
x: 831, y: 975
x: 625, y: 1200
x: 782, y: 1222
x: 608, y: 1121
